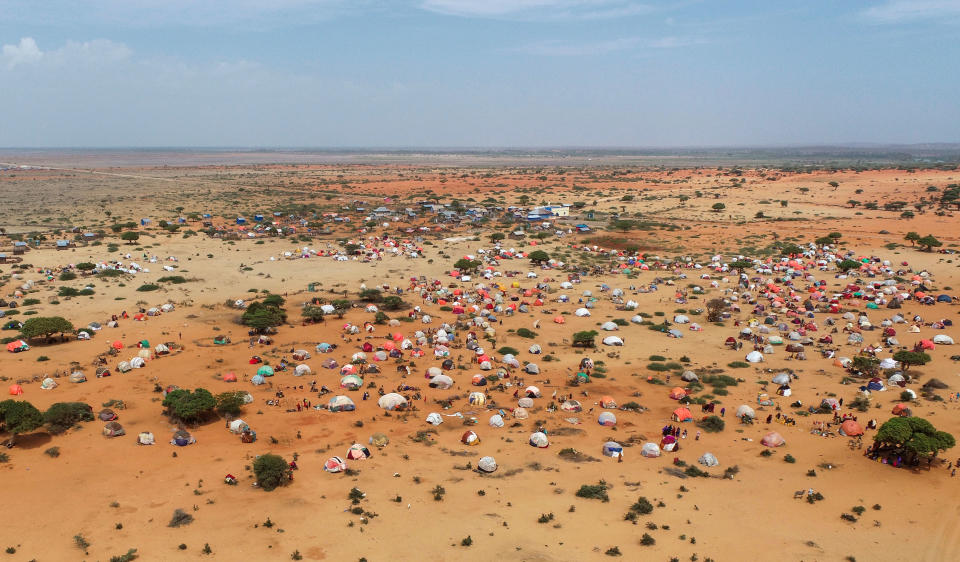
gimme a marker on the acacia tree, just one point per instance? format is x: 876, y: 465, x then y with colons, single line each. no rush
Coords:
x: 189, y: 406
x: 465, y: 264
x: 715, y: 308
x: 130, y: 236
x: 912, y: 237
x: 741, y: 265
x: 847, y: 265
x: 929, y: 242
x: 45, y: 326
x: 912, y: 438
x: 717, y: 207
x: 539, y: 257
x: 908, y: 358
x: 18, y: 417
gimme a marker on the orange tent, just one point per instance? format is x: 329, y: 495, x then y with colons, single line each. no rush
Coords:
x: 230, y: 377
x: 927, y: 344
x: 851, y: 428
x: 900, y: 410
x: 118, y: 345
x: 16, y: 390
x: 677, y: 393
x: 682, y: 414
x: 608, y: 402
x: 559, y: 320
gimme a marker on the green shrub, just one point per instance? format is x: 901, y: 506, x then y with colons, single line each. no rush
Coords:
x: 711, y: 424
x: 789, y: 458
x: 596, y: 492
x: 738, y: 365
x: 271, y: 471
x: 506, y: 349
x: 63, y: 415
x: 148, y: 287
x: 525, y: 333
x: 174, y: 279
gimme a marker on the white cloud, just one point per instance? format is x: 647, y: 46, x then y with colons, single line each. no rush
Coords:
x: 25, y: 52
x: 555, y: 48
x: 900, y: 11
x: 545, y: 9
x: 95, y: 52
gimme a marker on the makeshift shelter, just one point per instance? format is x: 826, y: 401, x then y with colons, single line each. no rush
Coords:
x: 301, y: 370
x: 443, y: 382
x: 335, y: 464
x: 607, y: 419
x: 525, y: 402
x: 682, y: 415
x: 392, y: 401
x: 48, y: 384
x: 669, y: 444
x: 612, y: 340
x: 850, y: 428
x: 379, y: 440
x: 943, y: 339
x: 650, y: 450
x: 520, y: 413
x: 487, y: 464
x: 708, y: 459
x: 539, y: 440
x: 341, y: 403
x: 434, y: 418
x: 677, y: 393
x: 265, y: 371
x: 612, y: 449
x: 773, y: 439
x: 608, y: 402
x: 352, y: 382
x: 113, y: 429
x: 182, y: 438
x: 238, y: 426
x: 571, y: 406
x: 17, y: 346
x: 16, y: 390
x: 496, y: 420
x: 689, y: 376
x: 781, y: 378
x: 107, y: 415
x: 358, y: 452
x: 145, y: 438
x: 258, y: 380
x: 77, y: 376
x: 532, y: 392
x: 470, y: 438
x: 744, y: 410
x: 901, y: 410
x: 754, y: 357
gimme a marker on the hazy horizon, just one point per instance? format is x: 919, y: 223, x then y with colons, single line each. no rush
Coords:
x: 477, y: 74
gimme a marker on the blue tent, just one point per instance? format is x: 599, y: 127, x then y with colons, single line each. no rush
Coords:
x: 257, y: 379
x: 241, y: 220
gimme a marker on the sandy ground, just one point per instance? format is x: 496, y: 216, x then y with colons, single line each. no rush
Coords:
x: 119, y: 495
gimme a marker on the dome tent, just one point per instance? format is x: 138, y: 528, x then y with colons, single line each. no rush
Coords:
x: 392, y: 401
x: 754, y: 357
x: 650, y: 450
x: 335, y: 464
x: 612, y: 449
x: 781, y: 378
x: 358, y: 451
x: 145, y: 438
x: 113, y: 429
x: 708, y: 459
x: 850, y: 428
x: 470, y: 438
x: 539, y: 440
x: 341, y: 403
x: 496, y: 420
x: 487, y: 464
x: 434, y: 418
x: 773, y: 439
x: 607, y: 419
x: 745, y: 410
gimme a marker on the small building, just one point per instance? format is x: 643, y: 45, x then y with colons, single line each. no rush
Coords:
x: 145, y: 222
x: 241, y: 220
x: 19, y: 248
x: 63, y: 244
x: 3, y: 257
x: 258, y: 218
x: 88, y: 236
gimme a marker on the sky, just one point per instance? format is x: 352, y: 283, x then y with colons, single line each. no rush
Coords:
x: 477, y: 73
